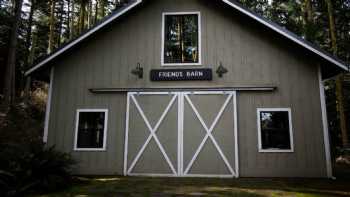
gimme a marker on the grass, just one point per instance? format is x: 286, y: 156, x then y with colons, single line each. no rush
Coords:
x: 179, y: 187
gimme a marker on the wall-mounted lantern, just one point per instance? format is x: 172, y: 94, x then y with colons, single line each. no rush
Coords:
x: 221, y: 70
x: 138, y: 71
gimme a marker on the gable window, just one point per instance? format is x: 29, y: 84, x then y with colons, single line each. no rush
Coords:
x: 91, y: 130
x: 181, y: 42
x: 275, y: 130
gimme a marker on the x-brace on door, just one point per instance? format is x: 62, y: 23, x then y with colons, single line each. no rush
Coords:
x: 188, y: 134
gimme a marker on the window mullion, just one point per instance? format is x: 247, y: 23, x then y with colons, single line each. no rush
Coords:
x: 181, y: 38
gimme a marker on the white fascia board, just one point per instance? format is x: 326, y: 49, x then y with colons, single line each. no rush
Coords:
x: 285, y: 34
x: 83, y: 37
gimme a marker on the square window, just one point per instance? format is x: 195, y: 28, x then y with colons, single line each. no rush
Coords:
x: 275, y: 130
x: 181, y: 39
x: 91, y: 127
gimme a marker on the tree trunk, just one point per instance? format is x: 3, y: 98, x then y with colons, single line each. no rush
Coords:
x: 52, y: 26
x: 59, y: 38
x: 29, y: 47
x: 309, y: 11
x: 72, y: 16
x: 102, y: 8
x: 10, y: 73
x: 82, y: 16
x: 89, y: 14
x: 308, y: 19
x: 341, y: 110
x: 96, y: 12
x: 30, y: 62
x: 332, y: 27
x: 339, y: 80
x: 68, y: 18
x: 29, y: 31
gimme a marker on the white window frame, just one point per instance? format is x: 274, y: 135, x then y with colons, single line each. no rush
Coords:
x: 261, y: 150
x: 199, y: 39
x: 104, y: 148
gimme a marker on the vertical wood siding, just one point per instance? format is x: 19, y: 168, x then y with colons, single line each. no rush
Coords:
x: 252, y: 54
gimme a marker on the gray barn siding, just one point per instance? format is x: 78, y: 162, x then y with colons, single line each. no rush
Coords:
x: 252, y: 55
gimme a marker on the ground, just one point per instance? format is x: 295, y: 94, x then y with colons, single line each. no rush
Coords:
x: 179, y: 187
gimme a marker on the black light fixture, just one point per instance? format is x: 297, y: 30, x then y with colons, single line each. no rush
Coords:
x: 221, y: 70
x: 138, y: 71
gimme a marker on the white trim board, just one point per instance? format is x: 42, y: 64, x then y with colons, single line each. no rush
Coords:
x: 164, y: 14
x: 261, y: 150
x: 325, y: 126
x: 48, y: 107
x: 104, y: 148
x: 235, y: 122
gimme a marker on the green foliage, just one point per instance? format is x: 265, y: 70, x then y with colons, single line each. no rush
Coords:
x: 26, y: 163
x: 291, y: 14
x: 342, y: 152
x: 33, y: 167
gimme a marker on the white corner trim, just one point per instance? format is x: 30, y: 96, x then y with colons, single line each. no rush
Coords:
x: 126, y: 139
x: 104, y: 148
x: 235, y: 122
x: 261, y: 150
x: 325, y: 125
x: 305, y: 45
x: 48, y: 107
x: 164, y: 14
x: 74, y: 42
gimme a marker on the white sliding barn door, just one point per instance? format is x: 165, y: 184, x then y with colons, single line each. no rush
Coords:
x: 190, y: 134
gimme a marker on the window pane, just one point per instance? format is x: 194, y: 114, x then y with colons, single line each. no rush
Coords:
x: 91, y: 129
x: 275, y: 130
x: 181, y: 39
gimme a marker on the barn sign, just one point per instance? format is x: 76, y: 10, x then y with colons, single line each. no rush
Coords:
x: 205, y: 74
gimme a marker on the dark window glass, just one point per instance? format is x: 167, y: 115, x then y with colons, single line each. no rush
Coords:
x: 275, y: 130
x: 91, y: 130
x: 181, y: 39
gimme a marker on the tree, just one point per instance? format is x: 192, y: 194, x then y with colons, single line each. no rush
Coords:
x: 339, y: 79
x: 309, y: 23
x: 341, y: 110
x: 82, y: 16
x: 102, y: 4
x: 52, y: 26
x: 332, y: 28
x: 10, y: 73
x: 28, y: 44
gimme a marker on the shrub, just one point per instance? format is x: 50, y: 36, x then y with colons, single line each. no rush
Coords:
x: 26, y: 163
x: 33, y: 168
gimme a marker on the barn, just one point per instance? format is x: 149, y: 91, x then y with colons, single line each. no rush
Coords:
x: 190, y: 88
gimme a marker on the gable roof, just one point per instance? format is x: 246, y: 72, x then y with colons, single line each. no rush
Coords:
x: 232, y: 3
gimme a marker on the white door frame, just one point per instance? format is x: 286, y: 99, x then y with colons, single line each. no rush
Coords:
x: 182, y: 97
